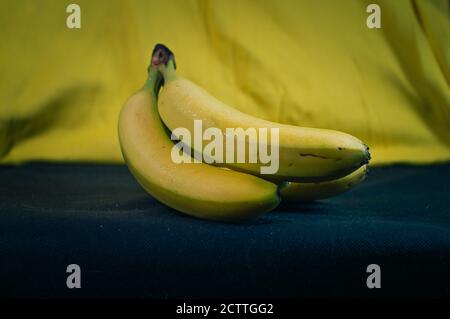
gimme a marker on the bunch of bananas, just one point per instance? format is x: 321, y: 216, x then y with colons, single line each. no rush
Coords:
x: 313, y: 163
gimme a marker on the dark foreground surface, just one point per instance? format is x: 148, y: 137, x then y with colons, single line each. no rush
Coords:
x: 129, y: 245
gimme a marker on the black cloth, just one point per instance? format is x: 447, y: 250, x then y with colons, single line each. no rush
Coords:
x: 129, y: 245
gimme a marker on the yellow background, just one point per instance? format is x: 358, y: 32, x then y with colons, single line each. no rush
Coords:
x: 310, y: 63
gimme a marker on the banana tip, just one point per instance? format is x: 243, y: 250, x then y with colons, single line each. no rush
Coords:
x: 368, y: 156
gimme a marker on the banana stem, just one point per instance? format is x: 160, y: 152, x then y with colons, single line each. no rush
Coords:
x: 163, y: 60
x: 168, y: 71
x: 154, y: 80
x: 161, y: 69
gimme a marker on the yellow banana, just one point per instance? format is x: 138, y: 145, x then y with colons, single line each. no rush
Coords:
x: 305, y: 154
x: 199, y: 190
x: 307, y: 192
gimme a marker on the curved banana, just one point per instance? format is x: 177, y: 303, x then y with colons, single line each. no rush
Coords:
x: 199, y: 190
x: 308, y: 192
x: 305, y: 154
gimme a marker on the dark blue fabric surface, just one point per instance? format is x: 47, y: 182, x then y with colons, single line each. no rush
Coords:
x: 129, y: 245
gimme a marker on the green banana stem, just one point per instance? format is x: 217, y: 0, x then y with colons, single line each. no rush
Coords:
x: 154, y: 80
x: 168, y: 71
x: 152, y: 74
x: 163, y: 59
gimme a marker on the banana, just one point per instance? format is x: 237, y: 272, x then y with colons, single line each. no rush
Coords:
x: 307, y: 192
x: 199, y: 190
x: 305, y: 154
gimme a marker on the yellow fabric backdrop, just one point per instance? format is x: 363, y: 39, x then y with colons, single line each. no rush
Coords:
x: 311, y: 63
